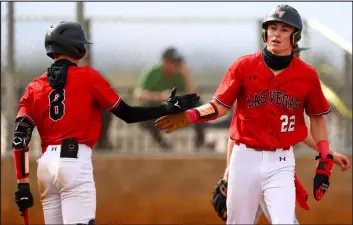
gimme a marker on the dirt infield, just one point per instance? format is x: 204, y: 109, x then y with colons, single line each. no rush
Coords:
x: 172, y: 190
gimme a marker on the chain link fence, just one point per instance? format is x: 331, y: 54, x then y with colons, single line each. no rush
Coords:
x: 123, y: 47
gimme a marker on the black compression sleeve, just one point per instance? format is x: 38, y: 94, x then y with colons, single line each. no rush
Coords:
x: 134, y: 114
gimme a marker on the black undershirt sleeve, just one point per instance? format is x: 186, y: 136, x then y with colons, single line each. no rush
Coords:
x: 134, y: 114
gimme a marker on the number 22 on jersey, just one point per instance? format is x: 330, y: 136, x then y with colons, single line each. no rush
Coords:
x: 288, y: 123
x: 56, y: 104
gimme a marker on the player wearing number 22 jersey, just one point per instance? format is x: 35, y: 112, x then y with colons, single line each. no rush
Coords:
x: 272, y: 89
x: 270, y: 109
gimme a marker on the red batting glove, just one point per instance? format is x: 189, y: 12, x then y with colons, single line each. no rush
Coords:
x: 322, y: 176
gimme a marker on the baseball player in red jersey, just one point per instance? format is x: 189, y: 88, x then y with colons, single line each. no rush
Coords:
x: 301, y: 196
x: 272, y: 90
x: 64, y: 104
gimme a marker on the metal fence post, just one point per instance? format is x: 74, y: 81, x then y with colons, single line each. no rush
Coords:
x: 10, y: 89
x: 80, y: 18
x: 260, y: 40
x: 80, y: 12
x: 88, y: 56
x: 348, y: 97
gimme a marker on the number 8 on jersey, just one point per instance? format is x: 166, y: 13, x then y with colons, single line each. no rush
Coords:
x: 56, y: 104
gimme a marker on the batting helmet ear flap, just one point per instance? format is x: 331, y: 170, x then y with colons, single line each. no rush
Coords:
x: 264, y: 35
x: 295, y: 37
x: 292, y: 38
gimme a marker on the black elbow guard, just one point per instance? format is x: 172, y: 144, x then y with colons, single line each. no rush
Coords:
x: 22, y: 133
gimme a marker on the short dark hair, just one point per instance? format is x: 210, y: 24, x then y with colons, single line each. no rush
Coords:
x: 297, y: 49
x: 172, y: 54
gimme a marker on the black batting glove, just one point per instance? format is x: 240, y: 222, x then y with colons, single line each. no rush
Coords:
x: 23, y: 197
x: 177, y: 104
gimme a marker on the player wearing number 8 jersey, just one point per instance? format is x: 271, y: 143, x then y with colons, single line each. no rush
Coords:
x: 65, y: 105
x: 60, y: 109
x: 272, y: 90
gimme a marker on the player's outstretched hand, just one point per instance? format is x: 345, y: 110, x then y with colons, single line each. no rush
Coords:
x: 173, y: 122
x: 322, y: 176
x: 176, y: 104
x: 23, y: 197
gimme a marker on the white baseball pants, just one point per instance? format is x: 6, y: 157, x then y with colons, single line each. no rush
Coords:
x: 263, y: 209
x: 256, y: 174
x: 66, y: 186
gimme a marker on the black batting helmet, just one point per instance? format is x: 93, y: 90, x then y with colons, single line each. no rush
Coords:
x: 286, y: 14
x: 66, y: 38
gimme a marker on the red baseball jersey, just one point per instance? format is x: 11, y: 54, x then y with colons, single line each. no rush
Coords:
x: 270, y: 109
x: 74, y: 112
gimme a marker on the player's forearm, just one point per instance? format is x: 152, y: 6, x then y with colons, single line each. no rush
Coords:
x: 309, y: 140
x: 318, y: 130
x: 134, y: 114
x: 207, y: 112
x: 222, y: 110
x: 311, y: 143
x: 21, y: 138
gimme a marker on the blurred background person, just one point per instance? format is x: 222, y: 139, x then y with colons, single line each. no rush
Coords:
x: 155, y: 84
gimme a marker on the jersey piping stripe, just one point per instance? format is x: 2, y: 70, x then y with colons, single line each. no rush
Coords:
x: 229, y: 106
x: 115, y: 105
x: 28, y: 117
x: 318, y: 114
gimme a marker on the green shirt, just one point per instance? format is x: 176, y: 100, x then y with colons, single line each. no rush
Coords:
x: 153, y: 79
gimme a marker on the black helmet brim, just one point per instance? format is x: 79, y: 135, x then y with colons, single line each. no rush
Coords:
x: 275, y: 19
